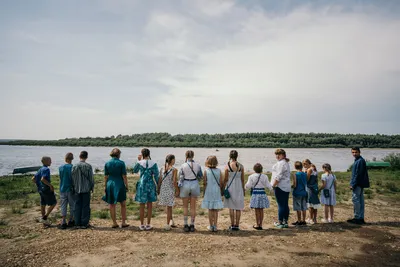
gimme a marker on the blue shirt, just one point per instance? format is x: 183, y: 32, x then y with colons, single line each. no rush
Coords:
x: 42, y: 172
x: 65, y: 177
x: 301, y: 185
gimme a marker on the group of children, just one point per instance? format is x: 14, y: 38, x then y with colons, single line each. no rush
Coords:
x: 220, y: 191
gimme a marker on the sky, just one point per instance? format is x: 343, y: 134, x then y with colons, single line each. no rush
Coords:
x: 108, y: 67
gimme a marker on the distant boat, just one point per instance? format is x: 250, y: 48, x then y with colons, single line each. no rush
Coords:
x: 23, y: 170
x: 216, y: 149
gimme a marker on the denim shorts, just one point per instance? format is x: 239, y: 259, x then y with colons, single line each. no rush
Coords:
x: 190, y: 188
x: 299, y: 203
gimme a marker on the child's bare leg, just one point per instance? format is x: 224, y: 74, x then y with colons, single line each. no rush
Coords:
x: 215, y: 218
x: 326, y: 209
x: 232, y: 216
x: 49, y: 209
x: 310, y: 210
x: 193, y: 202
x: 304, y: 214
x: 315, y: 215
x: 331, y: 208
x: 256, y: 213
x: 149, y: 211
x: 169, y: 214
x: 298, y: 216
x: 141, y: 214
x: 261, y: 217
x: 238, y: 214
x: 185, y: 201
x: 43, y: 210
x: 210, y: 217
x: 112, y: 213
x: 123, y: 212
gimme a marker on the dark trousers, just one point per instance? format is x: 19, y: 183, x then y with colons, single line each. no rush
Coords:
x: 282, y: 199
x: 82, y: 209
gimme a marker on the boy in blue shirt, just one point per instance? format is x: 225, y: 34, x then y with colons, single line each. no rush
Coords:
x: 67, y: 196
x: 300, y: 194
x: 45, y: 189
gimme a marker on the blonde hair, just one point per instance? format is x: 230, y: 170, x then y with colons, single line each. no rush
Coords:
x: 189, y: 154
x: 211, y: 162
x: 280, y: 151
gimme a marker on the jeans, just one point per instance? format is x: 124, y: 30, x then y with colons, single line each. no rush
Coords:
x: 67, y: 198
x: 82, y: 209
x: 282, y: 199
x: 358, y: 202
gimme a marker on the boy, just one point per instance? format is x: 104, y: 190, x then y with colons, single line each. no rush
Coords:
x: 300, y: 194
x: 83, y: 184
x: 67, y: 196
x: 45, y: 189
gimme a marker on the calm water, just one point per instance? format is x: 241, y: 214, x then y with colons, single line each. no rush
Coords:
x: 21, y: 156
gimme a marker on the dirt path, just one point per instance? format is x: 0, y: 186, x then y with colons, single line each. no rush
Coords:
x: 25, y: 243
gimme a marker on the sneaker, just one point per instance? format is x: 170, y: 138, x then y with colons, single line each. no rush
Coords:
x: 330, y: 220
x: 325, y: 220
x: 167, y: 227
x: 285, y: 225
x: 302, y: 223
x: 277, y: 223
x: 142, y: 227
x: 362, y: 221
x: 210, y: 228
x: 186, y: 228
x: 354, y: 220
x: 236, y: 228
x: 192, y: 228
x: 71, y: 224
x: 215, y: 229
x: 230, y: 228
x: 309, y: 221
x: 279, y: 226
x: 296, y: 223
x: 149, y: 227
x: 172, y: 224
x: 63, y: 226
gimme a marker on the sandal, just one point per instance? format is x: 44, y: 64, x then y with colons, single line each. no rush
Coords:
x: 115, y: 226
x: 124, y: 225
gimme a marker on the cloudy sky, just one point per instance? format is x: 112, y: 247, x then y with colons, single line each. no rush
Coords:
x: 107, y: 67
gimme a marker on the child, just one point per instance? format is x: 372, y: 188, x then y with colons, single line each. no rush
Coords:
x: 259, y: 200
x: 189, y: 175
x: 328, y: 199
x: 146, y: 187
x: 300, y: 194
x: 45, y: 189
x: 66, y: 194
x: 313, y: 202
x: 234, y: 184
x: 212, y: 192
x: 167, y: 188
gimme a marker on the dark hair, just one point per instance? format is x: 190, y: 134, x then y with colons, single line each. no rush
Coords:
x: 327, y: 167
x: 189, y: 154
x: 298, y: 165
x: 314, y: 167
x: 307, y: 161
x: 211, y: 162
x: 233, y: 155
x: 280, y: 151
x: 145, y: 153
x: 115, y: 153
x: 45, y: 159
x: 69, y: 156
x: 168, y: 161
x: 83, y: 155
x: 356, y: 148
x: 258, y: 168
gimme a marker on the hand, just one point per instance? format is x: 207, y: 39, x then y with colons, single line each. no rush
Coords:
x: 52, y: 188
x: 351, y: 188
x: 139, y: 157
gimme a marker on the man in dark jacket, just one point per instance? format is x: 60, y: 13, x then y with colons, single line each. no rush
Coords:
x: 359, y: 181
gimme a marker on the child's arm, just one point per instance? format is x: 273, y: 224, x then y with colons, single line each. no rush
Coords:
x: 221, y: 180
x: 174, y: 178
x: 205, y: 182
x: 249, y: 183
x: 226, y: 176
x: 44, y: 180
x: 160, y: 181
x: 334, y: 184
x: 294, y: 180
x: 309, y: 171
x: 242, y: 168
x: 323, y: 183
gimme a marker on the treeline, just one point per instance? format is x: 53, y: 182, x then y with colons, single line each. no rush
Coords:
x: 250, y: 140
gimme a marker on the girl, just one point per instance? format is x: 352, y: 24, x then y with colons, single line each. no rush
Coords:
x: 313, y: 202
x: 115, y: 186
x: 212, y: 191
x: 234, y: 184
x: 281, y: 183
x: 189, y: 174
x: 328, y: 199
x: 167, y: 187
x: 146, y: 187
x: 259, y: 200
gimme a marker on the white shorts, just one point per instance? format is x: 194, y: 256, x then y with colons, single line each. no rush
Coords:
x: 190, y: 188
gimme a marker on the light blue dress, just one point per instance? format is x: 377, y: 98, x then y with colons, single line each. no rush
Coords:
x: 212, y: 196
x: 115, y: 191
x: 146, y: 187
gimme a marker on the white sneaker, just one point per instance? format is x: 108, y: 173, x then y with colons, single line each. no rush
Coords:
x: 277, y: 223
x: 149, y: 227
x: 142, y: 227
x: 167, y: 227
x: 330, y: 220
x: 210, y: 228
x: 325, y: 221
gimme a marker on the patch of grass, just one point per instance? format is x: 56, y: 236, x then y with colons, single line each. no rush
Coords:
x: 391, y: 186
x: 102, y: 214
x: 202, y: 212
x: 3, y: 222
x: 27, y: 204
x: 16, y: 210
x: 394, y: 160
x: 177, y: 211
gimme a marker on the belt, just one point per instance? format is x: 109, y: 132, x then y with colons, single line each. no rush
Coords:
x: 190, y: 179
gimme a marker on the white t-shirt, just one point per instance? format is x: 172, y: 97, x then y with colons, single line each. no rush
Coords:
x: 281, y: 173
x: 262, y: 183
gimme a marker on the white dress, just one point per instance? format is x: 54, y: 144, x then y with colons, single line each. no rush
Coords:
x: 167, y: 190
x: 236, y: 201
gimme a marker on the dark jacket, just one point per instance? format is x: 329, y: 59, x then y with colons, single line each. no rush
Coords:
x: 359, y: 174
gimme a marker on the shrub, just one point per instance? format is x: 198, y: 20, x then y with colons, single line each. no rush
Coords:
x: 394, y: 160
x: 392, y: 187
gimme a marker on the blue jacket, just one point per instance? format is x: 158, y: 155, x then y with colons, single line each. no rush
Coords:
x: 359, y: 174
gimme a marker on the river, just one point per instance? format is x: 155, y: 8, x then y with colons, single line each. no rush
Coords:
x: 21, y: 156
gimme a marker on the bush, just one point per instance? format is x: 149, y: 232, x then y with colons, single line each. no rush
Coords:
x: 392, y: 187
x: 394, y: 160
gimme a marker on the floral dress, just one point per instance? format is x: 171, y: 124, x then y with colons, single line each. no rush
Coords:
x: 167, y: 190
x: 146, y: 187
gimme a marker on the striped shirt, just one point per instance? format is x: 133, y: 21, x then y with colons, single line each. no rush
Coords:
x: 82, y: 178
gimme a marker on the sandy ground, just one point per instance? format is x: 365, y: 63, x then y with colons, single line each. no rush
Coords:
x: 24, y: 242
